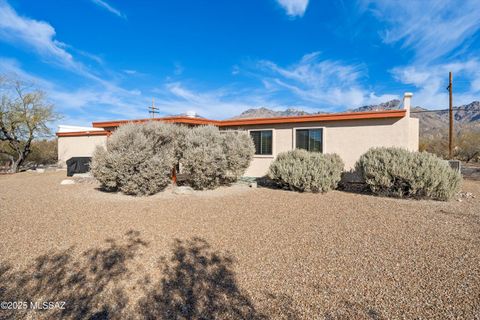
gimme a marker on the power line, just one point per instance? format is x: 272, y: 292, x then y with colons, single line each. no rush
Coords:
x: 442, y: 110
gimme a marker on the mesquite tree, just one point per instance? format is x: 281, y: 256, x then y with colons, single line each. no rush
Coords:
x: 24, y: 115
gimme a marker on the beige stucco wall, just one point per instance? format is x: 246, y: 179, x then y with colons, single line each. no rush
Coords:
x: 78, y: 147
x: 349, y: 139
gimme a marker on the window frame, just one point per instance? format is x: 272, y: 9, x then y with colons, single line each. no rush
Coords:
x: 294, y: 137
x: 273, y: 143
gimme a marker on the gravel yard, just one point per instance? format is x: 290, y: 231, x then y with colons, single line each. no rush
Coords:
x: 235, y: 253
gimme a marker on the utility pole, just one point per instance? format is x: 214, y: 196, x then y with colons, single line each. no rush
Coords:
x: 450, y: 113
x: 153, y: 109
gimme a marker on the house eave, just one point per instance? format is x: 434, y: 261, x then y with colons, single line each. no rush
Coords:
x: 259, y: 121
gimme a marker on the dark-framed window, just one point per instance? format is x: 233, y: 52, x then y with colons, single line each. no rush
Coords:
x: 263, y: 140
x: 309, y: 139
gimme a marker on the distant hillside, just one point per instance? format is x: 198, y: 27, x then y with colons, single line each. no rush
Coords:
x: 431, y: 123
x: 436, y: 123
x: 389, y: 105
x: 268, y: 113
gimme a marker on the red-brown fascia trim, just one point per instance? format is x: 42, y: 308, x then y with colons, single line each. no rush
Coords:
x: 316, y: 118
x: 184, y: 120
x: 258, y: 121
x: 83, y: 133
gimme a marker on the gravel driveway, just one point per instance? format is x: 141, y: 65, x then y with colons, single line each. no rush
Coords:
x: 235, y: 253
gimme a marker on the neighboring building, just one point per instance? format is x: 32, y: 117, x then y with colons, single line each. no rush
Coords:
x: 348, y: 134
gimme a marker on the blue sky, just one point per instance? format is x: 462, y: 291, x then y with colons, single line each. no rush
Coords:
x: 107, y: 59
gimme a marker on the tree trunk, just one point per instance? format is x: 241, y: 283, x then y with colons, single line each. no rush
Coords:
x: 17, y: 163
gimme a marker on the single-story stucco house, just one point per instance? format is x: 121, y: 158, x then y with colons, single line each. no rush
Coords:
x: 349, y: 134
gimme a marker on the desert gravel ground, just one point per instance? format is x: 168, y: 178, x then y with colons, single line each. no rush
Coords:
x: 235, y: 253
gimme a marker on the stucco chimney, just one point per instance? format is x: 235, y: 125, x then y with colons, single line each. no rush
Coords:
x: 407, y: 102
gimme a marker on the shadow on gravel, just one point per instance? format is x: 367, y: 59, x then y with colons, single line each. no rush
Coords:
x: 197, y: 283
x: 87, y: 283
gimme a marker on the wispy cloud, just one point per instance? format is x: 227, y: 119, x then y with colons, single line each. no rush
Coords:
x: 432, y: 29
x: 431, y: 81
x: 439, y: 35
x: 109, y: 8
x: 37, y: 34
x: 130, y: 71
x: 294, y: 8
x: 83, y: 101
x: 40, y: 37
x: 176, y: 97
x: 320, y: 82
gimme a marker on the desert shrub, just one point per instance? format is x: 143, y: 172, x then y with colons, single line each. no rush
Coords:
x: 438, y: 145
x: 204, y: 161
x: 43, y: 152
x: 138, y: 159
x: 301, y: 170
x: 468, y: 145
x: 239, y: 150
x: 401, y: 173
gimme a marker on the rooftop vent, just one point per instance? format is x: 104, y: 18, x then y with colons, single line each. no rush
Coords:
x: 191, y: 114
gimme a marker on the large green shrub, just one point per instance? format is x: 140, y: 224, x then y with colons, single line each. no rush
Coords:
x: 138, y: 159
x: 301, y: 170
x: 401, y: 173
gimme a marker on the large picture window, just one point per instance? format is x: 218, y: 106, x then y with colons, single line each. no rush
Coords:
x: 263, y: 141
x: 309, y: 139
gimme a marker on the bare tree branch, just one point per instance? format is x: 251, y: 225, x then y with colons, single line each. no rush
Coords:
x: 24, y: 115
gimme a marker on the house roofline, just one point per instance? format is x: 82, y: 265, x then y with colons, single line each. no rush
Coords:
x: 179, y: 119
x: 400, y: 113
x: 83, y: 133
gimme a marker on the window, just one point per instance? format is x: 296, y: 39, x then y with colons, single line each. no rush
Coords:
x: 263, y: 141
x: 309, y: 139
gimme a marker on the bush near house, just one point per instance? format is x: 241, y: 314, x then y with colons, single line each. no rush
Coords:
x: 401, y: 173
x: 211, y: 158
x: 239, y: 150
x: 204, y: 160
x: 139, y: 158
x: 300, y: 170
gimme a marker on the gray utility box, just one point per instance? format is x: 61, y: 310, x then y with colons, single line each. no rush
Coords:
x: 455, y: 165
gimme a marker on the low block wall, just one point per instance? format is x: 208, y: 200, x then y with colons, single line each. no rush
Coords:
x: 78, y: 147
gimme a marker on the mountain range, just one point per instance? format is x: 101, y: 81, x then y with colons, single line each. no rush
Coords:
x: 432, y: 123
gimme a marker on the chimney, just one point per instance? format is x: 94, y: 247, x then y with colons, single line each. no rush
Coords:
x: 191, y: 114
x: 407, y: 102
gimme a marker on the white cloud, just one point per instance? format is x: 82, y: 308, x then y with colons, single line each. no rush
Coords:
x: 431, y: 82
x: 321, y: 83
x: 175, y: 98
x: 39, y: 36
x: 109, y: 8
x: 130, y: 71
x: 294, y: 8
x: 439, y: 34
x: 94, y: 101
x: 432, y: 29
